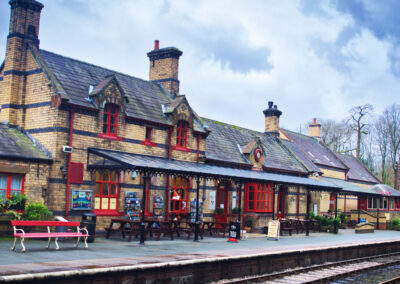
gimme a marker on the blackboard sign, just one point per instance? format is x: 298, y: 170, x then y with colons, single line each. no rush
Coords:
x: 234, y: 231
x: 81, y: 199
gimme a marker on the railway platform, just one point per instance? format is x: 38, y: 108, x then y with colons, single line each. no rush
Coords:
x: 183, y: 261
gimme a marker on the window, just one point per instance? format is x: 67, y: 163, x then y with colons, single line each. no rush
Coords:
x: 178, y: 195
x: 383, y: 203
x: 391, y: 203
x: 147, y: 139
x: 107, y: 188
x: 110, y: 121
x: 9, y: 185
x: 372, y: 204
x: 397, y: 203
x: 181, y: 134
x: 259, y: 197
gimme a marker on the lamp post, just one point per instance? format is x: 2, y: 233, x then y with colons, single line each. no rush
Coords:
x: 240, y: 209
x: 142, y: 223
x: 196, y: 226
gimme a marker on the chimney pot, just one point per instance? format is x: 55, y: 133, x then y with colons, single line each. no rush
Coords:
x: 270, y: 104
x: 275, y: 107
x: 315, y: 121
x: 156, y: 44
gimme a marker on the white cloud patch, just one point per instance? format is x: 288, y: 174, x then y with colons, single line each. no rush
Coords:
x: 312, y: 58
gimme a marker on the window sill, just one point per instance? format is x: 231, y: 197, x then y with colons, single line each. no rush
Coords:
x: 179, y: 148
x: 110, y: 137
x: 148, y: 143
x: 107, y: 213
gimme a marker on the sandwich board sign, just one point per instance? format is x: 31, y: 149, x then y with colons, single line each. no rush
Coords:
x: 273, y: 230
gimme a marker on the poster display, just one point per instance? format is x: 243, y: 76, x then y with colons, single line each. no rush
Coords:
x: 273, y: 230
x: 211, y: 200
x: 81, y: 199
x: 234, y: 197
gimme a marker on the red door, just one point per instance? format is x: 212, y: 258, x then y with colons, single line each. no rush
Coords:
x: 222, y: 202
x: 332, y: 202
x: 281, y: 205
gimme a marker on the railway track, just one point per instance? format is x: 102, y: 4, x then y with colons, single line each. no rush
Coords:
x: 324, y: 273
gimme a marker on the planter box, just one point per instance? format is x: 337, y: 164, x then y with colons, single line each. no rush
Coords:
x: 5, y: 226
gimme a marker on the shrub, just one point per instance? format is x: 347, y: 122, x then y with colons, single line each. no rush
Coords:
x: 324, y: 221
x: 395, y: 222
x: 311, y: 215
x: 37, y: 211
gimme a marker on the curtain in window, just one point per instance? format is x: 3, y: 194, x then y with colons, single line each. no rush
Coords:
x: 3, y: 182
x: 16, y: 185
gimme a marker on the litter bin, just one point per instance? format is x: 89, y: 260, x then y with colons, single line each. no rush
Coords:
x: 60, y: 229
x: 89, y: 221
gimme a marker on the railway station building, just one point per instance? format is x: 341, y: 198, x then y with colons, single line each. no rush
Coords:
x: 83, y: 138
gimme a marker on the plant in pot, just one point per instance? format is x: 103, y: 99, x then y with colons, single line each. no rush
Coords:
x: 219, y: 210
x: 37, y: 211
x: 324, y: 223
x: 235, y: 210
x: 248, y: 224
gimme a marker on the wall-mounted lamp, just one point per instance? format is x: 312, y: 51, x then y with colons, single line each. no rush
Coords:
x: 134, y: 175
x: 44, y: 192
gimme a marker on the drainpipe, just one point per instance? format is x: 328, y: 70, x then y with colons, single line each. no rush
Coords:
x: 169, y: 143
x: 298, y: 202
x: 198, y: 148
x: 71, y: 128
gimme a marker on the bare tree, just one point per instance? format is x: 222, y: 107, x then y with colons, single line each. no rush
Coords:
x: 336, y: 135
x: 381, y: 130
x: 392, y: 118
x: 358, y: 124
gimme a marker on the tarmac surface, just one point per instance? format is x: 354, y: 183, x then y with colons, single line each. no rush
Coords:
x: 118, y: 253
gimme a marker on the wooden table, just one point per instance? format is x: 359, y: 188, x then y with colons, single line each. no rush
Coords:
x: 125, y: 226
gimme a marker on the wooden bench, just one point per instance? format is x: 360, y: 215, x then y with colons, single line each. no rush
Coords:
x: 20, y: 233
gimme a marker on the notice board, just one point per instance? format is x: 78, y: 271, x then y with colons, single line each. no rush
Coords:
x: 81, y: 199
x: 273, y: 230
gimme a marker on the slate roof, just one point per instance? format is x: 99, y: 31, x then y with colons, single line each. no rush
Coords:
x: 316, y: 150
x: 385, y: 190
x: 301, y: 156
x: 358, y: 171
x: 222, y: 145
x: 145, y: 97
x: 15, y: 144
x: 349, y: 187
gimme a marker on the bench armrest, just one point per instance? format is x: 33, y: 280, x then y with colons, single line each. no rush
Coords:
x: 83, y: 229
x: 15, y: 231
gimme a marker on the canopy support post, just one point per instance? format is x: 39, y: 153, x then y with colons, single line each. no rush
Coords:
x: 273, y: 202
x: 377, y: 212
x: 240, y: 209
x: 197, y: 224
x: 308, y: 213
x: 358, y: 207
x: 142, y: 223
x: 335, y: 227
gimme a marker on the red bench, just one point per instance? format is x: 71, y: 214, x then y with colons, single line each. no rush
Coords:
x: 20, y: 233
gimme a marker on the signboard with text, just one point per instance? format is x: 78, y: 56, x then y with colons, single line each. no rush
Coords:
x: 81, y: 199
x: 273, y: 230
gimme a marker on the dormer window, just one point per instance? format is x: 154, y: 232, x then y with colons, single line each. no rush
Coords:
x: 110, y: 120
x: 181, y: 134
x: 147, y: 138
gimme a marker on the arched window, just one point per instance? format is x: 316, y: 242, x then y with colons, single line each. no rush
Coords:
x: 181, y: 134
x: 178, y: 195
x: 110, y: 120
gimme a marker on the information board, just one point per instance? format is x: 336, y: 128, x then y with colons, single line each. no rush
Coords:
x: 234, y: 231
x: 81, y: 199
x: 273, y: 230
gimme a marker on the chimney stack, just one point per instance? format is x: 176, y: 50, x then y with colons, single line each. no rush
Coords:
x: 314, y: 129
x: 23, y: 31
x: 164, y: 67
x: 272, y: 114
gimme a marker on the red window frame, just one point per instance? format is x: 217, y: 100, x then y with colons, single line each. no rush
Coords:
x: 397, y: 204
x: 147, y: 138
x: 110, y: 112
x: 259, y: 197
x: 181, y: 134
x: 8, y: 188
x: 179, y: 185
x: 99, y: 192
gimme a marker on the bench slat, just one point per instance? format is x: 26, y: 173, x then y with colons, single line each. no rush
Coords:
x: 44, y: 223
x: 51, y: 235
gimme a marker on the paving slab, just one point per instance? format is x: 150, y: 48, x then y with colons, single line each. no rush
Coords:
x: 118, y: 254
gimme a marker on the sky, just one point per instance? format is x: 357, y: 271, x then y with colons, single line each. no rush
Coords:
x: 311, y: 58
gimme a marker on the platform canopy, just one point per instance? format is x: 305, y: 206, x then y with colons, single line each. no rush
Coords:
x: 350, y: 188
x: 385, y: 190
x: 100, y: 159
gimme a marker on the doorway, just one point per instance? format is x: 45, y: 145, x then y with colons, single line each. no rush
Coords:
x: 281, y: 203
x: 222, y: 202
